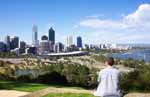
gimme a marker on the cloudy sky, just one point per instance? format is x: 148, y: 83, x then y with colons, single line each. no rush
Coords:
x: 97, y: 21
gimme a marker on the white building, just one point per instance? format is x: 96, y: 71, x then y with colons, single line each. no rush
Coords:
x: 69, y: 41
x: 35, y: 41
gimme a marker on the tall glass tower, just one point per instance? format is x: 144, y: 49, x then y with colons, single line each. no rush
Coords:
x: 7, y: 42
x: 79, y: 42
x: 35, y: 41
x: 51, y: 35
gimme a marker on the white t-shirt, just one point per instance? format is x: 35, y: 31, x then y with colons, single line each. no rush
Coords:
x: 108, y: 82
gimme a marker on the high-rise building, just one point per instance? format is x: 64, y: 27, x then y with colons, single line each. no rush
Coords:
x: 58, y: 47
x: 51, y: 35
x: 69, y: 41
x: 7, y: 43
x: 79, y: 42
x: 2, y: 47
x: 35, y: 41
x: 22, y: 46
x: 14, y: 42
x: 44, y: 46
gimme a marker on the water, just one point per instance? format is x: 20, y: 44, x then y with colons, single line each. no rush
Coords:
x: 135, y: 54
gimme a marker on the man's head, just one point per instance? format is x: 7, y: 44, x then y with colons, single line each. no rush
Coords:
x: 109, y: 61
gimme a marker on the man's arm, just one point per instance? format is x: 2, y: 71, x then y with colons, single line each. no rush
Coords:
x: 99, y: 77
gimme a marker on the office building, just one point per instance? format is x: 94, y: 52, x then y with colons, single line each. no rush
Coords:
x: 44, y: 37
x: 51, y: 35
x: 58, y: 47
x: 7, y: 43
x: 35, y: 41
x: 45, y: 46
x: 14, y: 42
x: 69, y: 41
x: 22, y: 46
x: 79, y: 42
x: 2, y: 47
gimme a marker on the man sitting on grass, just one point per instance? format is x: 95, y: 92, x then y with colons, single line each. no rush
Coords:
x: 108, y: 80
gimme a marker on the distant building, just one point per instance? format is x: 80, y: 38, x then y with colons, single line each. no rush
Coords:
x: 7, y: 43
x: 15, y: 42
x: 31, y: 50
x: 45, y: 46
x: 44, y: 37
x: 22, y: 46
x: 35, y: 41
x: 58, y: 47
x: 51, y: 35
x: 79, y: 42
x: 69, y: 41
x: 16, y: 50
x: 2, y: 47
x: 86, y: 46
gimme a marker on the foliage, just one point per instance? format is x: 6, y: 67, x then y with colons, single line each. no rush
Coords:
x: 70, y: 74
x: 8, y: 55
x: 99, y: 58
x: 137, y: 80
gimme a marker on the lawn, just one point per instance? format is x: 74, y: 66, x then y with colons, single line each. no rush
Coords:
x: 20, y: 86
x: 28, y: 87
x: 68, y: 95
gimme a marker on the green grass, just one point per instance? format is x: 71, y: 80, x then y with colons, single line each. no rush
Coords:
x: 20, y: 86
x: 28, y: 87
x: 68, y: 95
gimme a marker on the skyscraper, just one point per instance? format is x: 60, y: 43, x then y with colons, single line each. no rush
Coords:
x: 69, y: 41
x: 79, y: 42
x: 7, y: 43
x: 35, y: 41
x: 22, y: 46
x: 51, y: 35
x: 2, y: 47
x: 14, y: 42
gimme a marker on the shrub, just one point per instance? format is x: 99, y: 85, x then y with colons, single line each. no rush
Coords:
x: 138, y: 80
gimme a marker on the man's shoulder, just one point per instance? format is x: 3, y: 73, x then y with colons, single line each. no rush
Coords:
x: 110, y: 69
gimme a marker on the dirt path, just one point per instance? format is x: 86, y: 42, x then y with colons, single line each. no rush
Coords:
x: 12, y: 93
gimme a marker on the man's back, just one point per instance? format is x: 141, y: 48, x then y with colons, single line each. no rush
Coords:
x: 108, y: 82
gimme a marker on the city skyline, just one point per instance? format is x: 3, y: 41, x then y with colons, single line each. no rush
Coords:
x: 126, y: 21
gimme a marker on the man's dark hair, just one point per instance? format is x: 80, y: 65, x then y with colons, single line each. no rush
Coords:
x: 110, y: 60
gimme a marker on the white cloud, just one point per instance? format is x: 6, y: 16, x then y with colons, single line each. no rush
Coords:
x: 132, y: 27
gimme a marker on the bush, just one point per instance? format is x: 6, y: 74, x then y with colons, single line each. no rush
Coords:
x: 138, y: 80
x: 52, y: 78
x: 70, y: 74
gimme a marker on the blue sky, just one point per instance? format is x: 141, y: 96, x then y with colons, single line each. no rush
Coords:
x: 97, y: 21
